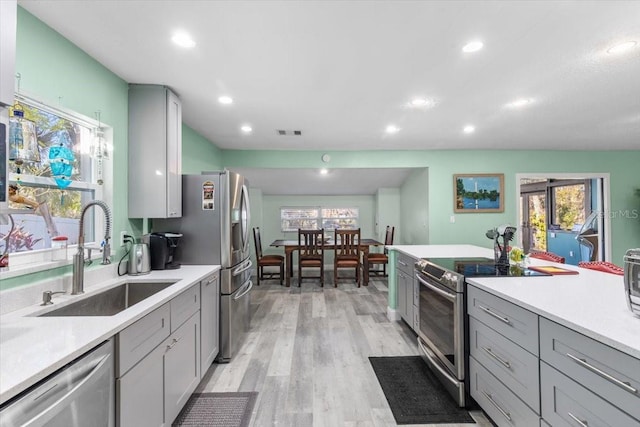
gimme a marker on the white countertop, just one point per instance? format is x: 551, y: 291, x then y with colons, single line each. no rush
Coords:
x: 31, y: 348
x: 591, y: 302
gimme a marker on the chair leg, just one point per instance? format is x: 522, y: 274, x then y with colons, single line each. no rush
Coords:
x: 281, y: 274
x: 259, y: 270
x: 299, y: 274
x: 358, y: 274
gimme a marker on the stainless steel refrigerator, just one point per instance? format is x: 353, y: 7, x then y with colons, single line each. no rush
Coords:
x: 215, y: 228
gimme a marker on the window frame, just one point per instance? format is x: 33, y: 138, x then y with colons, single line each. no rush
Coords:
x: 26, y: 262
x: 320, y: 218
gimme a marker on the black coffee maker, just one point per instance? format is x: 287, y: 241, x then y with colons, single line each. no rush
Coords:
x: 162, y: 248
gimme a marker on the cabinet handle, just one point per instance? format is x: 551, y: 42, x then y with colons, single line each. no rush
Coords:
x: 578, y: 420
x: 491, y: 313
x: 210, y: 281
x: 584, y: 364
x: 403, y: 263
x: 505, y: 363
x: 173, y: 343
x: 494, y: 403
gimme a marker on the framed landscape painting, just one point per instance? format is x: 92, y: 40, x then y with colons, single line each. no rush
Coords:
x: 478, y: 193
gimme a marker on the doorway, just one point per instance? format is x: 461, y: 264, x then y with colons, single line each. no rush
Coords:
x: 562, y: 213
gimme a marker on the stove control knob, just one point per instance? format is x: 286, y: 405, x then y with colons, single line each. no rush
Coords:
x: 447, y: 278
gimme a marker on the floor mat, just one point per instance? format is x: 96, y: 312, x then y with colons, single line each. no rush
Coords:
x: 217, y: 410
x: 414, y: 393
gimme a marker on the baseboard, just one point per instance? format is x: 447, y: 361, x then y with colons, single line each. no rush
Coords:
x: 393, y: 315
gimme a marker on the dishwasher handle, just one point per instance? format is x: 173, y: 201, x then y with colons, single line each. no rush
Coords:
x: 78, y: 388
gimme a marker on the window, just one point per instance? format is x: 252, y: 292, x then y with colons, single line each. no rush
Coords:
x: 569, y: 207
x: 53, y: 174
x: 292, y: 218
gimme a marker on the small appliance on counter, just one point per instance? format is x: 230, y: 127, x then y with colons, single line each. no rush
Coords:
x: 162, y: 249
x: 139, y: 259
x: 632, y: 280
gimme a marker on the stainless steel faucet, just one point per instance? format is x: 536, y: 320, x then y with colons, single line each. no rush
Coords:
x: 77, y: 284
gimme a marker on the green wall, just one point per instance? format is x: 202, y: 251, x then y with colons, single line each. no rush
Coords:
x: 56, y: 72
x: 414, y: 209
x: 443, y: 164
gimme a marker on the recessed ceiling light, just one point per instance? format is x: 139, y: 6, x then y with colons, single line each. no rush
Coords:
x: 183, y: 39
x: 622, y: 47
x: 225, y: 100
x: 392, y: 129
x: 324, y: 171
x: 518, y: 103
x: 473, y: 46
x: 469, y: 129
x: 246, y: 129
x: 419, y: 102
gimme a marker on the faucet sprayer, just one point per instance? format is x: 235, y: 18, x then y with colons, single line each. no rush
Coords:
x: 77, y: 286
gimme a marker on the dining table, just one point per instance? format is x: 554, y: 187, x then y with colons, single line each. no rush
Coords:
x: 290, y: 246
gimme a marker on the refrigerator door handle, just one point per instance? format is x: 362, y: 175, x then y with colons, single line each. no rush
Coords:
x: 247, y: 265
x: 247, y: 213
x: 249, y: 285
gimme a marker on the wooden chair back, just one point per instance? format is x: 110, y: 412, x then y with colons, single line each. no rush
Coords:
x: 388, y: 237
x: 347, y: 243
x: 310, y: 243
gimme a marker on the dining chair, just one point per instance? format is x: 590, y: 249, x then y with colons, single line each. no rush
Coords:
x: 266, y: 260
x: 373, y: 259
x: 547, y: 256
x: 604, y: 266
x: 347, y: 253
x: 311, y: 253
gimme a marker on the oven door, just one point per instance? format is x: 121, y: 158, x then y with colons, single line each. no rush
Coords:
x: 442, y: 327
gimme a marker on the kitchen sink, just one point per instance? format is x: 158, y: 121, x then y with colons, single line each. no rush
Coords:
x: 111, y: 301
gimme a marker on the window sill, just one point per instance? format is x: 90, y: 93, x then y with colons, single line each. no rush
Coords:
x: 23, y: 263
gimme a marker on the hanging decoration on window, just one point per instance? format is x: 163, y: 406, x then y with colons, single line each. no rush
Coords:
x: 99, y: 150
x: 61, y: 160
x: 23, y: 142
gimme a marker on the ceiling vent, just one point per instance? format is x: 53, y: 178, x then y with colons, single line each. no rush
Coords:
x: 289, y: 132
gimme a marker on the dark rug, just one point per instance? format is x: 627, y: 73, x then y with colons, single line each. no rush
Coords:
x: 414, y: 394
x: 217, y: 410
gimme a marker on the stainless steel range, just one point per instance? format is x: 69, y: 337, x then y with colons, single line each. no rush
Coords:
x: 442, y: 336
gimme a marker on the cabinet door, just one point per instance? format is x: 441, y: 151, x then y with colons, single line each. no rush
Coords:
x: 181, y: 366
x: 174, y: 156
x: 209, y: 321
x: 402, y: 294
x: 8, y: 10
x: 140, y: 393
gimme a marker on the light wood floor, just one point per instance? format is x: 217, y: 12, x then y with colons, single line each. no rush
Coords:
x: 307, y: 355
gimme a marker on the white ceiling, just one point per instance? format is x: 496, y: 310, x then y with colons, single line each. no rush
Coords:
x: 336, y: 182
x: 341, y: 71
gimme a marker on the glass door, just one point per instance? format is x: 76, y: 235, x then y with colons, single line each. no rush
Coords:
x: 534, y: 221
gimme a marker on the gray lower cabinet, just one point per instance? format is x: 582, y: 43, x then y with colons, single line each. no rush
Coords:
x: 565, y: 403
x: 503, y: 359
x: 209, y: 321
x: 406, y: 288
x: 158, y: 363
x: 515, y: 367
x: 500, y: 403
x: 181, y: 367
x: 599, y: 369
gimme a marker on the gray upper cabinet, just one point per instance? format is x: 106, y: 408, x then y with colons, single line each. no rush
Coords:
x: 155, y: 152
x: 8, y: 10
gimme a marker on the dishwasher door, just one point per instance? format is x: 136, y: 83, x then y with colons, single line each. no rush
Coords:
x: 79, y: 395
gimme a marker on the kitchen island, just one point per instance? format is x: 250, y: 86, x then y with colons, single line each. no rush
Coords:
x: 574, y: 334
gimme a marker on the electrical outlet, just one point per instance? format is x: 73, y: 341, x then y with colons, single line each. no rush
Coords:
x: 122, y: 234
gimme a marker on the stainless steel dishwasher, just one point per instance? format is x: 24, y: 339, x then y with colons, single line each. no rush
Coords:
x: 79, y: 395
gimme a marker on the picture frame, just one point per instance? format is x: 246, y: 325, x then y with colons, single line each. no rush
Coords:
x: 478, y: 193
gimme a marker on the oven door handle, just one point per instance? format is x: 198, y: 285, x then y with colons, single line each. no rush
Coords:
x: 450, y: 296
x: 435, y: 363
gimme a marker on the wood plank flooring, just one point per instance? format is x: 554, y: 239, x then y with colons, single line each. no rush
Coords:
x: 307, y: 355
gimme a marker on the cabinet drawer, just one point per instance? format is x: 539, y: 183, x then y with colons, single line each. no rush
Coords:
x: 138, y: 339
x: 405, y: 263
x: 510, y: 320
x: 184, y: 305
x: 567, y: 403
x: 511, y: 364
x: 504, y: 408
x: 598, y: 367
